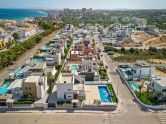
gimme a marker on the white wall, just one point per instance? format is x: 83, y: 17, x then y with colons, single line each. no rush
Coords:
x: 63, y: 88
x: 144, y: 72
x: 157, y: 87
x: 40, y: 91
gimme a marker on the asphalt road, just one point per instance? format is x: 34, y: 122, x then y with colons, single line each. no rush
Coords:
x: 52, y: 118
x: 131, y: 113
x: 23, y: 58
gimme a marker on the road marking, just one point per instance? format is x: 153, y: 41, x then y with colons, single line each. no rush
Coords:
x: 162, y: 117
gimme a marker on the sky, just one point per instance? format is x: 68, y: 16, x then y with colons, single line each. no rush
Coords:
x: 96, y: 4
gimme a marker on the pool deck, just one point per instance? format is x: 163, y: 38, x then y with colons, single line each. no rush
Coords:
x: 91, y: 92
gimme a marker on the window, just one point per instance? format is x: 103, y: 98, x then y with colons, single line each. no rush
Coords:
x: 164, y: 90
x: 29, y: 88
x: 150, y: 71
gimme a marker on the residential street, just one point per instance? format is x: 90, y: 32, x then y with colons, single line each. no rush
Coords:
x: 130, y: 110
x: 24, y: 57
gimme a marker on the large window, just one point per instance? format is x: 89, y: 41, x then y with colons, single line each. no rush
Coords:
x: 164, y: 90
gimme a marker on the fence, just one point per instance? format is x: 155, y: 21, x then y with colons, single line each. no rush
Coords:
x: 157, y: 107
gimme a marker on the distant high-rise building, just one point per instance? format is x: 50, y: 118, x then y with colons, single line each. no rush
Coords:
x: 53, y: 14
x: 90, y: 10
x: 83, y: 10
x: 67, y: 10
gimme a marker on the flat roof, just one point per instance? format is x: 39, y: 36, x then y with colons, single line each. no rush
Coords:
x: 32, y: 79
x: 40, y: 65
x: 16, y: 83
x: 141, y: 64
x: 67, y: 79
x: 74, y: 52
x: 161, y: 81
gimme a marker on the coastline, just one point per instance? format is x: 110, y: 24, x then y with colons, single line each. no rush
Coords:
x: 22, y: 14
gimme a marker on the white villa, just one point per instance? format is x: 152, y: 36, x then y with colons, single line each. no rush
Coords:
x: 159, y: 85
x: 70, y: 89
x: 142, y: 69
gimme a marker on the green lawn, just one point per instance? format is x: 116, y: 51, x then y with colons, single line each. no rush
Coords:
x: 114, y: 99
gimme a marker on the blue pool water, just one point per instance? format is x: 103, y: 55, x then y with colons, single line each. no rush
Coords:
x: 38, y: 61
x: 127, y: 71
x: 3, y: 89
x: 46, y: 48
x: 74, y: 67
x: 20, y: 72
x: 104, y: 94
x: 134, y: 86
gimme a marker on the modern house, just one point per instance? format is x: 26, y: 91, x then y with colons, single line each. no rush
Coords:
x: 159, y: 85
x: 76, y: 56
x: 142, y: 69
x: 16, y: 88
x: 6, y: 100
x: 60, y: 47
x: 89, y: 68
x: 70, y: 89
x: 52, y: 57
x: 4, y: 39
x: 37, y: 70
x: 35, y: 86
x: 140, y: 22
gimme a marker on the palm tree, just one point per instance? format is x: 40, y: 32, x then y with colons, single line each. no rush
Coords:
x: 140, y: 88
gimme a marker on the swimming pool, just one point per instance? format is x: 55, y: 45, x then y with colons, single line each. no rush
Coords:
x: 3, y: 89
x: 46, y: 48
x: 74, y: 67
x: 128, y: 71
x: 38, y: 61
x: 19, y: 72
x: 134, y: 86
x: 104, y: 94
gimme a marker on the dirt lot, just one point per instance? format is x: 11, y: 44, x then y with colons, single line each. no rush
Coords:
x: 157, y: 41
x: 146, y: 40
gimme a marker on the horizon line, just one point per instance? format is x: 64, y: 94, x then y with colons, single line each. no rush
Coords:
x: 84, y: 7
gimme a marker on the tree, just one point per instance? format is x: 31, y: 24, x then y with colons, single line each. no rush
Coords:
x: 132, y: 50
x: 38, y: 39
x: 140, y: 88
x: 123, y: 49
x: 15, y: 36
x: 96, y: 102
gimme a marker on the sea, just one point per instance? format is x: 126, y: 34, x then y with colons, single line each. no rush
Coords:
x: 20, y: 14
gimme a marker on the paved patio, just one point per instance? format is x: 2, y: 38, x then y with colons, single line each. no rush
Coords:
x: 91, y: 92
